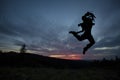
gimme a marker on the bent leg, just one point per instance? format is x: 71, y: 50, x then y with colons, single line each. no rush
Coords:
x: 92, y: 42
x: 78, y: 37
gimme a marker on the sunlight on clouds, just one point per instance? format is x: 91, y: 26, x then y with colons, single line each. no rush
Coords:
x: 107, y: 48
x: 99, y: 39
x: 51, y: 49
x: 11, y: 48
x: 67, y: 56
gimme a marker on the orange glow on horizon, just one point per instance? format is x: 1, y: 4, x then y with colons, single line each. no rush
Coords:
x: 67, y: 56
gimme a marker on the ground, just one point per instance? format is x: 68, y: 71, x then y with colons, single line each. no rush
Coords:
x: 38, y: 73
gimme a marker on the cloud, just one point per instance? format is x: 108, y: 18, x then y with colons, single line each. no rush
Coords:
x: 107, y: 48
x: 109, y: 41
x: 67, y: 56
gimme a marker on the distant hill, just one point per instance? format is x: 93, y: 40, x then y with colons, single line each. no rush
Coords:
x: 34, y: 60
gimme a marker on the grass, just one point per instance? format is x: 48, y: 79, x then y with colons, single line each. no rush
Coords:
x: 29, y: 73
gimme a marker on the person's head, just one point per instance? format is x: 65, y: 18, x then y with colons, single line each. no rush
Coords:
x: 90, y: 15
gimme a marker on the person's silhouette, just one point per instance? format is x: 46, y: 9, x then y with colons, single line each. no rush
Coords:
x: 86, y: 25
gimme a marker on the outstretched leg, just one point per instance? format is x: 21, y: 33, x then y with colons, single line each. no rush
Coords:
x: 75, y: 34
x: 92, y: 42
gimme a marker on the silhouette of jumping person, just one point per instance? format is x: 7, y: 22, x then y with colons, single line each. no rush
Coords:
x: 86, y: 25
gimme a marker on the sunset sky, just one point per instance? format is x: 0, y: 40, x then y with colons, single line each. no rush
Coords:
x: 43, y: 25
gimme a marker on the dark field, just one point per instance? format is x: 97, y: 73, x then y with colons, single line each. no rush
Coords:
x: 15, y: 66
x: 27, y: 73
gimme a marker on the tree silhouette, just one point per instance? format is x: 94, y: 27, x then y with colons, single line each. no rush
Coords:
x: 23, y: 49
